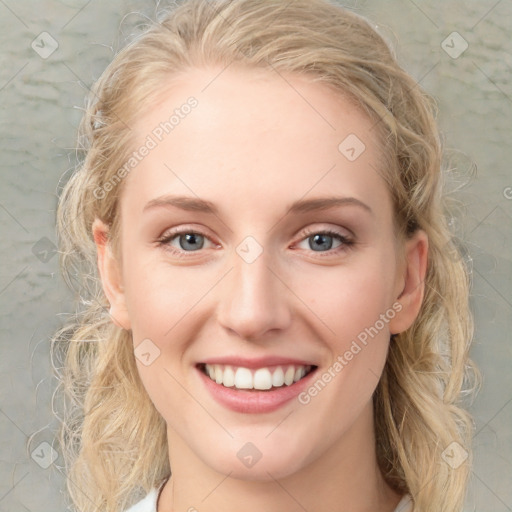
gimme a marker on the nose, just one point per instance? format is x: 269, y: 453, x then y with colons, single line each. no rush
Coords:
x: 254, y: 299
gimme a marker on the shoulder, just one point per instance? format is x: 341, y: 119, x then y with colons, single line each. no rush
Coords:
x: 405, y: 504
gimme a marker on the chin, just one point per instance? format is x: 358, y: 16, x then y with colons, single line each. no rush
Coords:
x: 248, y: 463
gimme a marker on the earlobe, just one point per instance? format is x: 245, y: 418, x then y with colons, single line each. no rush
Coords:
x: 110, y: 274
x: 412, y: 281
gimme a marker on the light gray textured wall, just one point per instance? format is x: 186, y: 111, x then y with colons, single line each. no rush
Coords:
x: 39, y: 96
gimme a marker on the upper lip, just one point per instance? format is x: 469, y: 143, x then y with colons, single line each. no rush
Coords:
x: 256, y: 362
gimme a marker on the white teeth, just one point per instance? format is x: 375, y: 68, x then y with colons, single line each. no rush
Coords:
x: 278, y: 377
x: 243, y: 378
x: 288, y: 376
x: 218, y: 375
x: 229, y: 377
x: 261, y: 379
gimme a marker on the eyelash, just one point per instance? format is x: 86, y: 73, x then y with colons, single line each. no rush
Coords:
x: 346, y: 242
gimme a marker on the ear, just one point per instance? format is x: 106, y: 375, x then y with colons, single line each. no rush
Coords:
x: 110, y: 274
x: 411, y: 282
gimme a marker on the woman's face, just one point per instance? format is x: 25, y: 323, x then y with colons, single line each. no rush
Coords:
x: 257, y: 236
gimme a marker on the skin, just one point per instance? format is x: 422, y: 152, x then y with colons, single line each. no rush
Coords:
x: 255, y: 143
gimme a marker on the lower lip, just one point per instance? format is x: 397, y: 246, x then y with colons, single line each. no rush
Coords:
x: 255, y: 402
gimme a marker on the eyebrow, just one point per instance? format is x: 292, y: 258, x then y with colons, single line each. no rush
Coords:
x: 300, y: 206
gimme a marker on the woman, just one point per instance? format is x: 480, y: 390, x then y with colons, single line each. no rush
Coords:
x: 287, y: 330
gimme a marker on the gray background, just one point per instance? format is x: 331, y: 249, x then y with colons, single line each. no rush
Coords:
x: 40, y: 109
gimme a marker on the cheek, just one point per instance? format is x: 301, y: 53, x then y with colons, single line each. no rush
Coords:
x: 160, y: 295
x: 355, y: 305
x: 350, y: 299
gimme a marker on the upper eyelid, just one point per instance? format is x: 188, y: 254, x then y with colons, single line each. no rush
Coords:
x: 337, y: 231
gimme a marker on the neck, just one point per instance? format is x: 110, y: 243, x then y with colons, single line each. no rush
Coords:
x: 344, y: 478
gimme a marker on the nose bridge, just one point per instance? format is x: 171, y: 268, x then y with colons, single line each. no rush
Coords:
x: 253, y: 300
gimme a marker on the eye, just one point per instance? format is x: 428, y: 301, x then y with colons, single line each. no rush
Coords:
x: 184, y: 240
x: 323, y: 241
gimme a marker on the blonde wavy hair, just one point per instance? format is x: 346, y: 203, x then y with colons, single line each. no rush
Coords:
x: 112, y: 437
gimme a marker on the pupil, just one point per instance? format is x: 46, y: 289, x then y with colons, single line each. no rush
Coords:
x: 190, y: 238
x: 322, y: 238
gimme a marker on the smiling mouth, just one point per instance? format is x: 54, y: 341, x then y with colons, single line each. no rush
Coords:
x: 261, y: 379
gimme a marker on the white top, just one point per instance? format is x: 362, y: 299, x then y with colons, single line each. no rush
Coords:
x: 148, y: 504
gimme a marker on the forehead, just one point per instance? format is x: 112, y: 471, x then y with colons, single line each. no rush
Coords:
x: 244, y: 135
